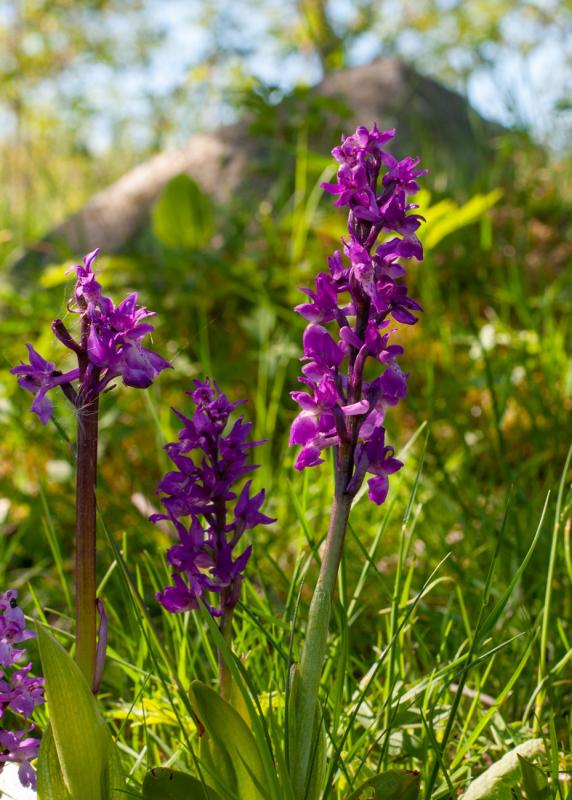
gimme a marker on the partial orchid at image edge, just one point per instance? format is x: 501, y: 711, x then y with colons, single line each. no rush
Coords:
x: 20, y: 692
x: 362, y: 295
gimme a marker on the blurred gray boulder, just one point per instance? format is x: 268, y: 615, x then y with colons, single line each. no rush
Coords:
x: 432, y: 121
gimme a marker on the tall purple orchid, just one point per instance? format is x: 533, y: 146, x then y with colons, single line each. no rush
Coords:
x: 208, y: 515
x: 361, y: 298
x: 109, y: 348
x: 20, y: 692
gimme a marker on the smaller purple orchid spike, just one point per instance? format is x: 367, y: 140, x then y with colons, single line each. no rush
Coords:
x: 17, y: 748
x: 20, y: 692
x: 12, y: 629
x: 200, y: 502
x: 110, y: 347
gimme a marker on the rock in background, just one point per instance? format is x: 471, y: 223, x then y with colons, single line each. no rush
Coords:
x: 242, y: 158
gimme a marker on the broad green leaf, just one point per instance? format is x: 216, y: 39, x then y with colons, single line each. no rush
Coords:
x: 391, y: 785
x: 314, y: 788
x: 182, y: 217
x: 228, y: 745
x: 293, y: 699
x: 496, y: 783
x: 219, y: 767
x: 276, y: 784
x: 51, y: 785
x: 318, y: 763
x: 51, y: 782
x: 534, y: 781
x: 114, y: 779
x: 237, y: 701
x: 162, y: 783
x: 85, y: 751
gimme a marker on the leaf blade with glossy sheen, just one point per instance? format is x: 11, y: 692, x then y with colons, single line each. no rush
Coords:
x: 231, y: 742
x: 51, y: 784
x: 162, y: 783
x: 85, y: 750
x: 391, y: 785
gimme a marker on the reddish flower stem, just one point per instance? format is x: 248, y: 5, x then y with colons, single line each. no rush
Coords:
x: 86, y: 513
x: 85, y: 556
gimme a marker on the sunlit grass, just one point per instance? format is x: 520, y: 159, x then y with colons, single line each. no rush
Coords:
x: 450, y: 641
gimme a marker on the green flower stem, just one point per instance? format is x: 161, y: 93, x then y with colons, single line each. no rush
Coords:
x: 85, y: 556
x: 316, y: 640
x: 317, y: 635
x: 225, y: 675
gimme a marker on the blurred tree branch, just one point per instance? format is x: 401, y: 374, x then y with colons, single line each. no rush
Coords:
x: 320, y: 33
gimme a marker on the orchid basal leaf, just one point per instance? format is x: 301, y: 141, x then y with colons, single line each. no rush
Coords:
x: 391, y: 785
x: 82, y: 742
x: 51, y: 783
x: 162, y: 783
x: 228, y: 746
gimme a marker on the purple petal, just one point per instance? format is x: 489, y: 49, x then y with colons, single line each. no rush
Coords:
x: 356, y: 408
x: 378, y: 489
x: 308, y: 457
x: 304, y: 429
x: 402, y: 315
x: 391, y: 465
x: 43, y: 406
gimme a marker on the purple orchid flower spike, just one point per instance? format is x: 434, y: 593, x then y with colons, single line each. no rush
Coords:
x: 210, y: 519
x: 17, y: 748
x: 340, y: 408
x: 350, y: 313
x: 109, y: 347
x: 12, y: 629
